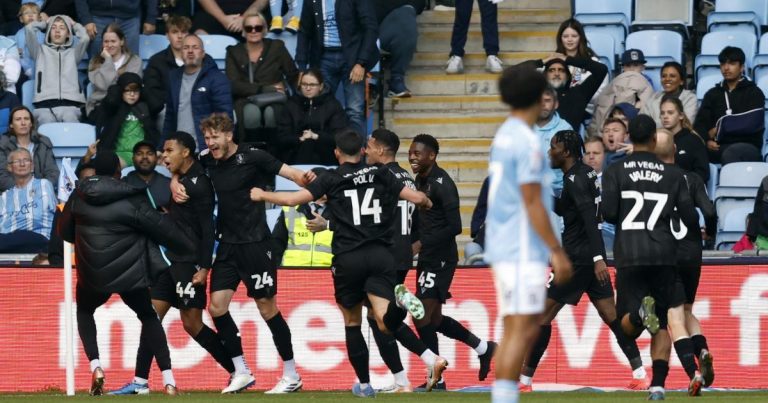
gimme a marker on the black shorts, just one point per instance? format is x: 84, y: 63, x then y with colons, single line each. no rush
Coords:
x: 175, y: 287
x: 433, y: 280
x: 250, y: 263
x: 583, y: 280
x: 367, y: 269
x: 635, y: 283
x: 689, y: 278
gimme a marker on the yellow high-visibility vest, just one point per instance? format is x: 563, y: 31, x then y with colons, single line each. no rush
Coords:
x: 305, y: 248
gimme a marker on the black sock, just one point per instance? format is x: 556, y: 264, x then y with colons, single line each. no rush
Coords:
x: 628, y: 345
x: 539, y: 348
x: 635, y: 319
x: 455, y: 330
x: 143, y: 359
x: 660, y: 371
x: 684, y: 349
x: 281, y: 335
x: 387, y: 347
x: 408, y: 339
x: 428, y: 335
x: 699, y: 343
x: 228, y: 333
x: 86, y: 328
x: 210, y: 341
x: 357, y: 351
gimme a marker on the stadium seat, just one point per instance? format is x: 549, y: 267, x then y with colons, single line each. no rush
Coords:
x: 714, y: 174
x: 272, y: 215
x: 216, y: 47
x: 706, y: 82
x: 149, y: 45
x: 725, y: 205
x: 760, y: 61
x: 88, y: 90
x: 743, y: 15
x: 740, y: 180
x: 732, y: 226
x: 28, y: 94
x: 714, y: 42
x: 610, y: 17
x: 663, y: 14
x: 658, y: 46
x: 69, y: 139
x: 654, y: 73
x: 604, y: 47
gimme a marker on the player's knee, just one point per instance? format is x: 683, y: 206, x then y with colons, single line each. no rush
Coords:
x: 392, y: 319
x: 267, y: 308
x: 191, y: 326
x: 217, y: 309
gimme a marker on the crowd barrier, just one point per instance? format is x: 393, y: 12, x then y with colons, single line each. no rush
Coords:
x: 732, y: 305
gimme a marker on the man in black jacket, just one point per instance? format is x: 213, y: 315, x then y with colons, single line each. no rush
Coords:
x: 734, y: 95
x: 573, y: 100
x: 339, y: 37
x: 114, y: 229
x: 398, y: 33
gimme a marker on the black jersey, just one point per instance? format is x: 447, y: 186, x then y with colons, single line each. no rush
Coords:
x: 196, y: 215
x: 640, y: 194
x: 439, y: 225
x: 403, y: 223
x: 689, y: 246
x: 241, y: 220
x: 362, y: 202
x: 579, y: 206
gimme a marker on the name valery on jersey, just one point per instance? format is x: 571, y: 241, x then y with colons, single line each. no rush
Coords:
x: 645, y: 175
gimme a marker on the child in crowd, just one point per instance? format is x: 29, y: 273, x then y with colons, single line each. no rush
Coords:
x: 29, y: 12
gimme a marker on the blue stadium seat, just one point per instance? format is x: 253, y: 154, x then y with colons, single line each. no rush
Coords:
x: 760, y: 60
x: 28, y: 94
x: 654, y: 73
x: 272, y: 215
x: 664, y: 14
x: 726, y: 205
x: 714, y: 42
x: 603, y: 45
x: 216, y: 47
x: 69, y: 139
x: 714, y: 174
x: 706, y: 82
x: 151, y: 44
x: 88, y: 90
x: 740, y: 180
x: 604, y: 13
x: 732, y: 226
x: 658, y: 46
x: 742, y: 15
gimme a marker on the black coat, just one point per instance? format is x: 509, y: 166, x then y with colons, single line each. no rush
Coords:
x: 745, y: 97
x: 156, y: 79
x: 358, y: 32
x: 114, y: 230
x: 112, y: 113
x: 323, y: 115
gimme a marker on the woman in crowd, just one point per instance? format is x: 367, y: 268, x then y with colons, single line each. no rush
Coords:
x: 258, y: 69
x: 672, y: 84
x: 114, y: 60
x: 572, y: 42
x: 124, y: 119
x: 22, y: 134
x: 691, y: 151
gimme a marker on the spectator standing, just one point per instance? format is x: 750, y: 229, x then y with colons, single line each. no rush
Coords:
x: 57, y: 7
x: 145, y: 161
x: 58, y: 94
x: 339, y: 37
x: 22, y: 134
x: 691, y: 153
x: 257, y: 71
x: 309, y: 122
x: 104, y: 68
x: 224, y: 17
x: 156, y: 74
x: 195, y: 91
x: 10, y: 62
x: 490, y: 27
x: 29, y: 12
x: 594, y: 156
x: 8, y: 101
x: 166, y: 9
x: 546, y: 126
x: 398, y: 34
x: 8, y: 22
x: 124, y: 119
x: 26, y: 209
x: 571, y: 41
x: 673, y: 84
x: 96, y: 15
x: 477, y: 227
x: 734, y: 95
x: 278, y: 23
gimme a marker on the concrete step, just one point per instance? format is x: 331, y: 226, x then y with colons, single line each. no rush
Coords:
x: 534, y: 4
x: 445, y: 102
x: 450, y: 124
x: 454, y: 84
x: 460, y: 170
x: 473, y: 59
x: 438, y: 39
x: 505, y: 16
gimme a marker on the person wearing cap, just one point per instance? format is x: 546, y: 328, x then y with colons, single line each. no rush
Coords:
x: 145, y: 161
x: 124, y: 119
x: 115, y: 230
x: 573, y: 100
x: 631, y: 86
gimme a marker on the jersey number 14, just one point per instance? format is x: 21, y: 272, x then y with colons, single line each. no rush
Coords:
x: 369, y: 206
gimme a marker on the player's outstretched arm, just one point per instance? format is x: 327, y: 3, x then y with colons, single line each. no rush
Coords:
x: 282, y: 198
x: 539, y: 218
x: 418, y: 198
x: 298, y: 176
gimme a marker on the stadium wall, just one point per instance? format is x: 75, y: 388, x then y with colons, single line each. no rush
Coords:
x: 732, y: 305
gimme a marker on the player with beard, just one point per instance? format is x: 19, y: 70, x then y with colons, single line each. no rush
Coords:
x: 438, y: 253
x: 583, y: 242
x: 640, y: 195
x: 245, y: 251
x: 362, y: 201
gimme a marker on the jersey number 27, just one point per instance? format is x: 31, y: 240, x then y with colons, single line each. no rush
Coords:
x: 659, y: 199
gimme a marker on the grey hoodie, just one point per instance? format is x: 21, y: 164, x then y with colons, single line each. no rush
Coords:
x: 56, y: 78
